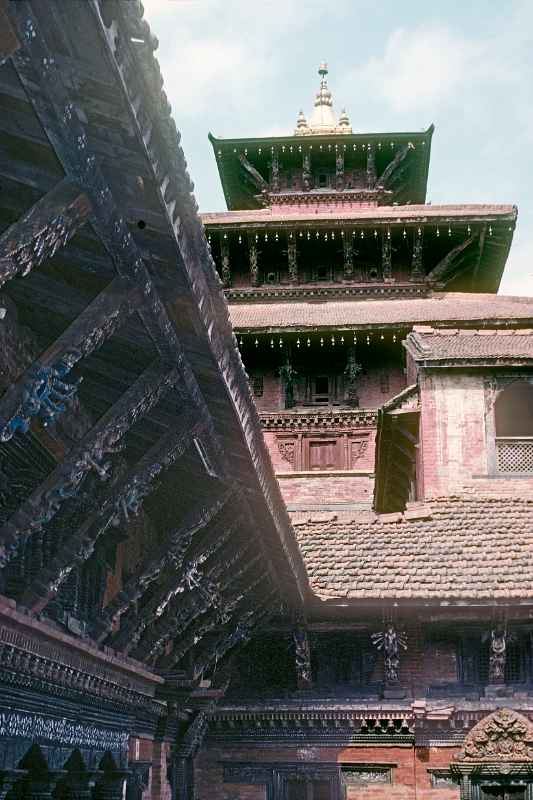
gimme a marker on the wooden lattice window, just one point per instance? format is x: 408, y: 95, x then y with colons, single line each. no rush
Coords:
x: 514, y: 428
x: 257, y: 385
x: 514, y: 455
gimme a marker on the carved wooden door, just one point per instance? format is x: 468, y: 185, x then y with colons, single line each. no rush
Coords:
x: 298, y: 789
x: 503, y: 792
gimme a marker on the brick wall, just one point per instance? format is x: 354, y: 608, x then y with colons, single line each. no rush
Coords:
x: 374, y: 388
x: 454, y: 430
x: 326, y: 490
x: 410, y: 777
x: 157, y: 753
x: 352, y: 482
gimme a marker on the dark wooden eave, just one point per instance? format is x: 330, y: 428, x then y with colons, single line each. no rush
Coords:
x: 240, y: 194
x: 120, y: 291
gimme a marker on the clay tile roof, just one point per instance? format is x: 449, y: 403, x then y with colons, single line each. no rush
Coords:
x: 419, y: 213
x: 440, y: 307
x: 453, y: 549
x: 457, y: 347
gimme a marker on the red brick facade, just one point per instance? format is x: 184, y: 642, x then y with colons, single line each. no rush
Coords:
x: 410, y: 768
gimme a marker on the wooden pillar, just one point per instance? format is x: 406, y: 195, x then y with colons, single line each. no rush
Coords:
x: 253, y: 255
x: 346, y: 451
x: 306, y: 172
x: 417, y: 266
x: 292, y: 258
x: 386, y: 254
x: 371, y: 176
x: 302, y: 655
x: 8, y: 779
x: 348, y: 273
x: 274, y: 171
x: 339, y: 171
x: 225, y: 265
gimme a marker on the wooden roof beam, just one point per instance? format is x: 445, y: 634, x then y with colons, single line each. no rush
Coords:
x: 9, y: 42
x: 38, y: 391
x: 104, y: 438
x: 218, y: 617
x: 46, y: 227
x: 175, y: 580
x: 182, y: 612
x: 451, y: 260
x: 239, y: 634
x: 53, y: 104
x: 170, y: 553
x: 123, y: 500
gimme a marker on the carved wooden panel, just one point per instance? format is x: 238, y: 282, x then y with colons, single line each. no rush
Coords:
x: 358, y: 448
x: 323, y: 454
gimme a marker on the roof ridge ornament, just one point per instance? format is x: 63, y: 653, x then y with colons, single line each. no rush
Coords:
x: 323, y: 120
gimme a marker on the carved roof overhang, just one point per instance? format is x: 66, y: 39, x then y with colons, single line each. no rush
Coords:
x: 239, y: 194
x: 465, y: 247
x: 308, y: 722
x: 35, y: 657
x: 499, y: 744
x: 126, y: 297
x: 425, y: 215
x: 329, y: 420
x: 396, y: 442
x: 373, y: 291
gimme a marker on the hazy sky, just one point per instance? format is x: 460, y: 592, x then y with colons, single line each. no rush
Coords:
x: 244, y: 67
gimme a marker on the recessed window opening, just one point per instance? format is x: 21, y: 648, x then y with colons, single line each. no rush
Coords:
x: 514, y: 410
x: 513, y: 413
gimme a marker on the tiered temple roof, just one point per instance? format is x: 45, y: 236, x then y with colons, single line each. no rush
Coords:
x: 444, y: 308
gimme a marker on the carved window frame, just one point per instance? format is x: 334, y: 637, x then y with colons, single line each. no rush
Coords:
x: 492, y: 388
x: 369, y: 774
x: 442, y: 778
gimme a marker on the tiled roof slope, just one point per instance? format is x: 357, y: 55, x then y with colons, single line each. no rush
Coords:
x: 452, y: 346
x: 419, y: 213
x: 454, y: 549
x: 440, y: 307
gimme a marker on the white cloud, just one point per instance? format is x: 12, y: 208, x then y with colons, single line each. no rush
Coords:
x: 426, y: 66
x: 518, y: 275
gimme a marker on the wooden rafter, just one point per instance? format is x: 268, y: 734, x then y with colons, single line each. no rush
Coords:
x: 131, y: 488
x: 100, y: 320
x: 170, y: 554
x: 46, y: 227
x: 105, y: 437
x: 451, y: 260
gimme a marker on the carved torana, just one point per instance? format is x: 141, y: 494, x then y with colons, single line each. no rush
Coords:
x: 505, y: 736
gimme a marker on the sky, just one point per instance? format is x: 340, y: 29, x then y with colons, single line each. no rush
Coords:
x: 245, y: 68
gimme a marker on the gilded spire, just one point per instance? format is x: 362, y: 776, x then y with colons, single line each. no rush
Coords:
x: 323, y: 118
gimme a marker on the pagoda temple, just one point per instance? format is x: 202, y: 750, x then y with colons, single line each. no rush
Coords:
x: 395, y: 392
x: 272, y: 545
